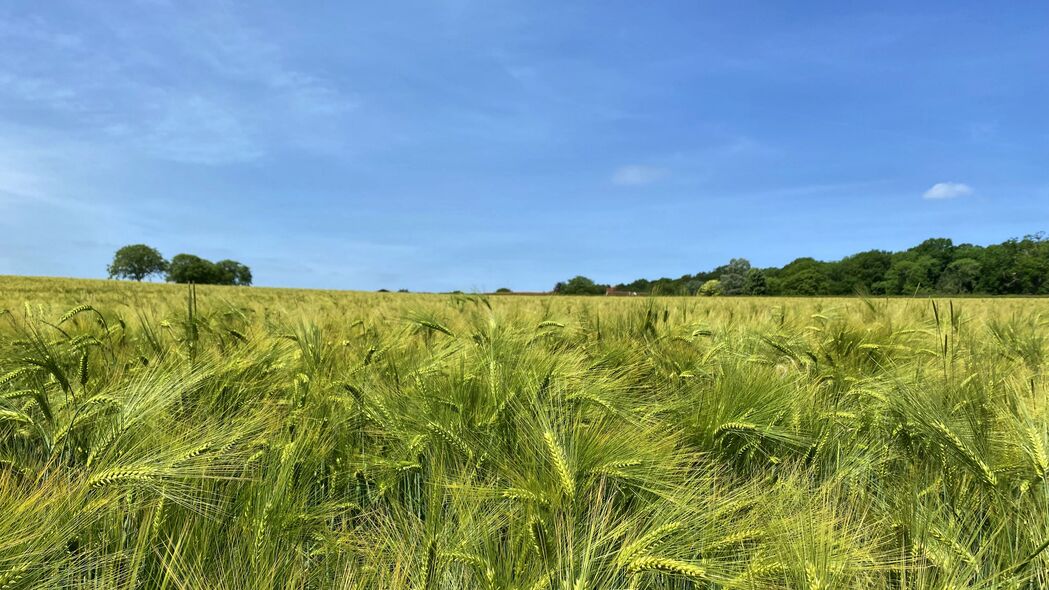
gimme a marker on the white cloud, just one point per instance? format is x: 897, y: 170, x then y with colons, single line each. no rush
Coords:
x: 637, y: 175
x: 948, y: 190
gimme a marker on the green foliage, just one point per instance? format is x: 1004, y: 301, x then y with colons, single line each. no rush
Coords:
x: 710, y: 288
x: 231, y: 272
x: 157, y: 436
x: 734, y: 277
x: 188, y: 268
x: 936, y: 266
x: 136, y: 262
x: 757, y: 283
x: 580, y: 285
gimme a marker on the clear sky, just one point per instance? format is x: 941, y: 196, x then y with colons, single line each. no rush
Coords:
x: 476, y: 144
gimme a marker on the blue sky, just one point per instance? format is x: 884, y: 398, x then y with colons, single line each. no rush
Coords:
x: 460, y: 144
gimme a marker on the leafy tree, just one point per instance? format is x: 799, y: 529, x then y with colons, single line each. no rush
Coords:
x: 666, y: 286
x: 807, y: 281
x: 734, y: 277
x: 638, y: 286
x: 187, y: 268
x: 503, y: 290
x: 860, y: 272
x: 136, y: 262
x: 231, y: 272
x: 757, y: 283
x: 803, y: 276
x: 909, y: 275
x: 939, y: 249
x: 710, y: 288
x: 960, y: 276
x: 580, y: 285
x: 937, y: 265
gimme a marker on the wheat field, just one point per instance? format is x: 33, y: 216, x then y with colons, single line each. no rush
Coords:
x: 154, y: 436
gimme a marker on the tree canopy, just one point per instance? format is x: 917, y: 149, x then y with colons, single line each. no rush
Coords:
x: 139, y: 261
x: 189, y: 268
x: 136, y: 262
x: 1019, y: 266
x: 579, y: 285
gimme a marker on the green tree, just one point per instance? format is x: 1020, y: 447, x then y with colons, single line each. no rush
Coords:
x: 136, y: 262
x: 734, y: 277
x: 710, y: 288
x: 960, y: 276
x: 580, y: 285
x: 807, y: 281
x: 231, y: 272
x: 860, y: 272
x: 187, y: 268
x: 911, y: 275
x: 757, y: 283
x: 803, y: 276
x: 939, y: 249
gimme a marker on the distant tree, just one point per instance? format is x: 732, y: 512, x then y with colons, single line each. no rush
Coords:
x: 960, y: 276
x: 503, y: 290
x: 910, y: 275
x: 638, y: 286
x: 860, y: 272
x: 187, y: 268
x: 136, y: 262
x: 1020, y: 266
x: 1016, y: 266
x: 734, y: 277
x: 231, y: 272
x: 940, y: 250
x: 757, y: 283
x: 807, y: 281
x: 666, y: 286
x: 402, y: 290
x: 383, y: 291
x: 803, y: 276
x: 580, y: 285
x: 710, y: 288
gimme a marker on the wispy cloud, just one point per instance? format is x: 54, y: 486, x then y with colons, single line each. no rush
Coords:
x: 192, y: 85
x: 638, y: 175
x: 948, y: 190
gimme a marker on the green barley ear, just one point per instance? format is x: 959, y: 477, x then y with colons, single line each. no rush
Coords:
x: 15, y: 374
x: 429, y: 572
x: 560, y: 462
x: 76, y: 311
x: 648, y: 541
x: 1038, y: 451
x: 666, y: 566
x: 118, y: 475
x: 9, y: 580
x: 538, y: 536
x: 82, y: 374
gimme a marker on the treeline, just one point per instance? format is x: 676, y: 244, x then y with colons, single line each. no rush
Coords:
x: 139, y: 261
x: 1018, y: 266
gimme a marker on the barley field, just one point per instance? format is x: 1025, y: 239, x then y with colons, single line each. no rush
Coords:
x: 245, y: 438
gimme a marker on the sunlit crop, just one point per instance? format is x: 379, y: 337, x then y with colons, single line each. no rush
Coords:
x: 244, y: 438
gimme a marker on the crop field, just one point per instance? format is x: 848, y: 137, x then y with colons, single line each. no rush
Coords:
x: 152, y: 436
